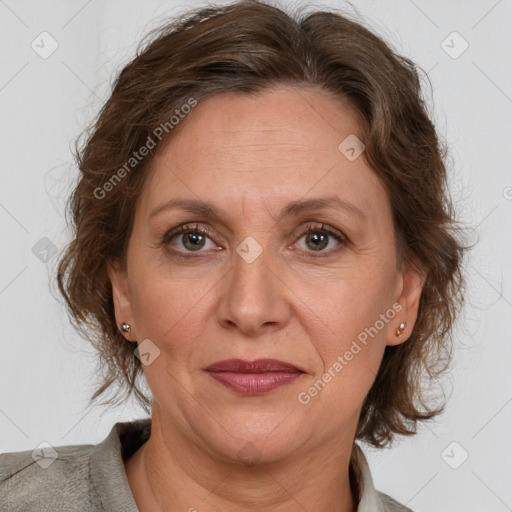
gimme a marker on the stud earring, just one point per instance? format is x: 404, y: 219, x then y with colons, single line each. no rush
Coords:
x: 400, y: 329
x: 125, y: 328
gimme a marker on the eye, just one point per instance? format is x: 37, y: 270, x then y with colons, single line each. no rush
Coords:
x: 317, y: 239
x: 191, y: 238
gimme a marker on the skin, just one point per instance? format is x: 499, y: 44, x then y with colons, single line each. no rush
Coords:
x: 251, y: 156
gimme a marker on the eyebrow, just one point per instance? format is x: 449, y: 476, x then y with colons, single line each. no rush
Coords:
x: 294, y: 208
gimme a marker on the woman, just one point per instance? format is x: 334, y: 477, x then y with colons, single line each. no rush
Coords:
x: 263, y: 231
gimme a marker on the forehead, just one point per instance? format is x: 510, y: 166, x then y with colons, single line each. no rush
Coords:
x: 270, y: 147
x: 291, y: 117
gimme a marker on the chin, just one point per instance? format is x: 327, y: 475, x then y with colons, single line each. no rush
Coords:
x: 256, y: 439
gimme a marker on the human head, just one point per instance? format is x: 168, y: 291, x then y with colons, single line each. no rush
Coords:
x: 247, y: 48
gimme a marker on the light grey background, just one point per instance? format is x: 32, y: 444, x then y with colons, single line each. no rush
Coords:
x: 47, y: 371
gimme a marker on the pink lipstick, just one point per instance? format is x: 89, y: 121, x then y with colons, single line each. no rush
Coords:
x: 253, y: 377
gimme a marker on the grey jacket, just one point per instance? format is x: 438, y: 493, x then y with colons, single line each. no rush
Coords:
x: 92, y: 478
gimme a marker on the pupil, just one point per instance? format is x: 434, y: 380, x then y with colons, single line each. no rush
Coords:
x: 195, y: 238
x: 316, y: 237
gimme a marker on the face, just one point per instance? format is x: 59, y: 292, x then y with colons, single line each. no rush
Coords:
x: 263, y: 273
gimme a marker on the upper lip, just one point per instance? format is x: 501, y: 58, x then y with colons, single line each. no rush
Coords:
x: 256, y: 366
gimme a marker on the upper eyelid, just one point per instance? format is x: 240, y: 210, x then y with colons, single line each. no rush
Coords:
x: 300, y: 231
x: 312, y: 224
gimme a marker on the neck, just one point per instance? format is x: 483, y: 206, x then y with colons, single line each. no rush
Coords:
x: 171, y: 472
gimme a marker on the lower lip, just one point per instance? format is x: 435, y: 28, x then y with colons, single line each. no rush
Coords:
x: 254, y: 383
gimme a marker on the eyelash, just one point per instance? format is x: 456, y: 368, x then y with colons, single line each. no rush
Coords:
x: 187, y: 229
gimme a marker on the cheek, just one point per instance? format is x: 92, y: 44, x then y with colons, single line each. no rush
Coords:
x: 350, y: 350
x: 164, y: 309
x: 168, y: 303
x: 356, y: 305
x: 357, y: 311
x: 167, y: 312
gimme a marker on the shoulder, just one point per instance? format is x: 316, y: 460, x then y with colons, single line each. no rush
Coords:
x: 52, y: 478
x: 391, y: 505
x: 83, y: 477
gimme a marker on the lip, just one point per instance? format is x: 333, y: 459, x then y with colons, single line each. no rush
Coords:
x: 253, y: 377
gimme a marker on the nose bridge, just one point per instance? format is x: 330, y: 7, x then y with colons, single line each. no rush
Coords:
x: 253, y: 297
x: 250, y: 265
x: 249, y: 284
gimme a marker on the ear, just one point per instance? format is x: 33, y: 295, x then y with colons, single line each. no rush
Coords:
x: 122, y: 303
x: 409, y: 287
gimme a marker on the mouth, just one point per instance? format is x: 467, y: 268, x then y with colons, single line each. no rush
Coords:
x: 254, y: 377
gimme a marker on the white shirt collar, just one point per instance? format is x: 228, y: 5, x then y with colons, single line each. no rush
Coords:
x: 372, y: 500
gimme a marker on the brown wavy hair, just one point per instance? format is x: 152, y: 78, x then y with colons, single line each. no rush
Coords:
x: 247, y: 47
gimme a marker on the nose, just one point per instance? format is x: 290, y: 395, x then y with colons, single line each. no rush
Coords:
x: 255, y: 298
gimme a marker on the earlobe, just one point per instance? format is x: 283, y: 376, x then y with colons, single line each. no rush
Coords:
x: 412, y: 282
x: 121, y: 298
